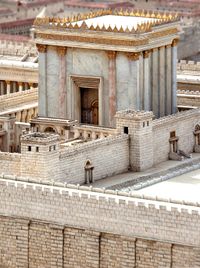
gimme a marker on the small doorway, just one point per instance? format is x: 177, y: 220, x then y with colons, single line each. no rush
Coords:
x: 89, y: 105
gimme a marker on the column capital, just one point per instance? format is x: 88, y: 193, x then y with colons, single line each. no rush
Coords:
x: 61, y: 51
x: 20, y: 83
x: 111, y: 54
x: 175, y: 42
x: 51, y: 47
x: 146, y: 53
x: 41, y: 48
x: 7, y: 82
x: 133, y: 55
x: 161, y: 47
x: 168, y: 46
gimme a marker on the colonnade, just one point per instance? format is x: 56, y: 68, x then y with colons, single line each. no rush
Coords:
x: 8, y: 87
x: 25, y: 115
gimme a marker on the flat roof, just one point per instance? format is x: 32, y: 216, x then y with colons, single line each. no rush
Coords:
x: 118, y: 21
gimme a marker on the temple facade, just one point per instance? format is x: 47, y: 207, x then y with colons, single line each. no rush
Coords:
x: 92, y: 66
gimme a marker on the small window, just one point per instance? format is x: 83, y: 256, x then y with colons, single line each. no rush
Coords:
x: 81, y: 134
x: 54, y: 147
x: 29, y: 148
x: 126, y: 130
x: 37, y: 149
x: 49, y: 148
x: 143, y: 124
x: 97, y: 136
x: 88, y: 135
x: 147, y: 123
x: 172, y: 134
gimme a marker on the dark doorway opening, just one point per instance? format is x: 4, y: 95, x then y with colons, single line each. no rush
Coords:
x: 89, y: 106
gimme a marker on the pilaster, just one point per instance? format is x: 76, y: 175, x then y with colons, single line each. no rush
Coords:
x: 134, y: 94
x: 42, y: 90
x: 174, y: 60
x: 155, y: 89
x: 112, y: 85
x: 146, y: 77
x: 62, y: 82
x: 162, y: 97
x: 168, y: 60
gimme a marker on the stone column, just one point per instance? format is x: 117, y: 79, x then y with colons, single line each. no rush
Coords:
x: 168, y: 60
x: 7, y: 87
x: 155, y: 91
x: 14, y: 87
x: 112, y: 85
x: 62, y: 82
x: 42, y: 106
x: 135, y: 79
x: 174, y: 59
x: 20, y: 84
x: 147, y: 96
x: 162, y: 97
x: 1, y: 88
x: 26, y: 87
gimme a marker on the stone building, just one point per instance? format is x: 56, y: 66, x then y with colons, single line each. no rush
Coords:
x: 114, y: 60
x: 97, y: 87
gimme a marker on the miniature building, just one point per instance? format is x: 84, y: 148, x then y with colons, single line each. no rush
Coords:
x: 93, y: 66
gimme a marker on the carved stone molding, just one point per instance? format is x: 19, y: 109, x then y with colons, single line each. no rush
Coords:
x: 133, y: 55
x: 111, y: 55
x: 94, y: 40
x: 175, y: 42
x: 41, y: 48
x: 61, y: 51
x: 146, y: 54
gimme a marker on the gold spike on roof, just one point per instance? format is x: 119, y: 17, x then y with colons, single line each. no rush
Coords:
x: 72, y: 23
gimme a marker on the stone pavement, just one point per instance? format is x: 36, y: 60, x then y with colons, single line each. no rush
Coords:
x: 126, y: 180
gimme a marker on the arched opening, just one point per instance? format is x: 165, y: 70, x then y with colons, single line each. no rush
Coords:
x: 88, y: 172
x: 50, y: 130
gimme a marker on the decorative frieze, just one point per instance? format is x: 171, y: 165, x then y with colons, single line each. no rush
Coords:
x: 146, y: 54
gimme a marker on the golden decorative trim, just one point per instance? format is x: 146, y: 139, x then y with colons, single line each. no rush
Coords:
x: 146, y: 54
x: 175, y: 42
x: 50, y: 47
x: 41, y: 48
x: 20, y: 83
x: 7, y: 82
x: 160, y: 18
x: 111, y: 55
x: 61, y: 51
x: 93, y: 40
x: 164, y: 33
x: 133, y: 56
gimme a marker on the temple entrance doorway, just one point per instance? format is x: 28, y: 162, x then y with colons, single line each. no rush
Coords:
x: 89, y: 105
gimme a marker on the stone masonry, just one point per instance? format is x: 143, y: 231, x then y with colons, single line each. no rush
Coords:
x: 51, y: 226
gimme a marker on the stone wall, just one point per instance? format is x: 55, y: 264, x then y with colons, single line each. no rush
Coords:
x: 108, y: 156
x: 10, y: 163
x: 48, y: 226
x: 189, y: 67
x: 183, y: 124
x: 188, y: 98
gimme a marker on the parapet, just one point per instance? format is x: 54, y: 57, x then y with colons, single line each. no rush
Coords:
x: 132, y: 114
x: 39, y: 138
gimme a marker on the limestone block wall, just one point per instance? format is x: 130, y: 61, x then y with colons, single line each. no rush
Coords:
x: 190, y: 67
x: 10, y: 163
x: 183, y: 124
x: 51, y: 226
x: 188, y: 98
x: 108, y: 156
